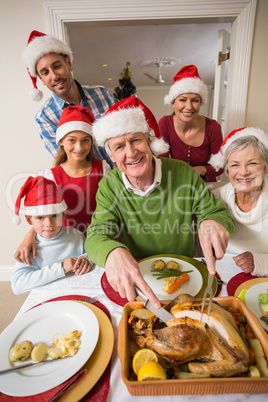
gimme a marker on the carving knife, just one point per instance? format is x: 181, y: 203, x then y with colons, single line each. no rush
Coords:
x: 161, y: 313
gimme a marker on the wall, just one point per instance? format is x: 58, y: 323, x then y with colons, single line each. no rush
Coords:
x: 23, y: 152
x: 257, y: 112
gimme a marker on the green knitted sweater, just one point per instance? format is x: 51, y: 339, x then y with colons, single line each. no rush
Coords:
x: 159, y: 223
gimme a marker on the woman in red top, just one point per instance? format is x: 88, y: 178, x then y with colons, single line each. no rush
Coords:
x: 192, y: 138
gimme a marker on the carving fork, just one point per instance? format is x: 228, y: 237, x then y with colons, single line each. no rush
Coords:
x: 208, y: 291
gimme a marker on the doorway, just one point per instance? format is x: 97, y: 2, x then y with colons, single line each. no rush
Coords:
x: 241, y: 15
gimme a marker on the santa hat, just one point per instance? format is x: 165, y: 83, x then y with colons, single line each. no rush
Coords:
x: 218, y: 160
x: 186, y: 81
x: 42, y: 197
x: 74, y: 118
x: 127, y: 116
x: 40, y: 44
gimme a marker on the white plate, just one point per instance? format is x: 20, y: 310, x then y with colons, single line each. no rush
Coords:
x: 40, y: 325
x: 191, y: 286
x: 252, y: 301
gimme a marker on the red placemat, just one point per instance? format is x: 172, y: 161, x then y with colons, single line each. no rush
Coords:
x: 111, y: 293
x: 97, y: 394
x: 236, y: 280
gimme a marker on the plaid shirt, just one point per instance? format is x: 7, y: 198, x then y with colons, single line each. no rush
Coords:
x: 96, y: 98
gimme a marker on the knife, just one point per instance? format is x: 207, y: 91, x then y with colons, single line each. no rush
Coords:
x: 23, y: 366
x: 161, y: 313
x: 30, y: 364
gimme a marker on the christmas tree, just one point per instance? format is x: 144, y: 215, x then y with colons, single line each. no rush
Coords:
x: 126, y: 87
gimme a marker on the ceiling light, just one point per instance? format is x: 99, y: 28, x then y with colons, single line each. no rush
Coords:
x: 109, y: 79
x: 104, y: 65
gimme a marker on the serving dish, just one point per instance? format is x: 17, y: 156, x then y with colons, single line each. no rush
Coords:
x: 42, y: 324
x: 190, y: 386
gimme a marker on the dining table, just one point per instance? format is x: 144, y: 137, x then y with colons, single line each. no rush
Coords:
x: 90, y: 285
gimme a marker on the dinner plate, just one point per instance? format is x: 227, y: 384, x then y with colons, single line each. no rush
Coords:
x: 246, y: 285
x: 42, y: 324
x: 252, y: 301
x: 98, y: 361
x: 192, y: 286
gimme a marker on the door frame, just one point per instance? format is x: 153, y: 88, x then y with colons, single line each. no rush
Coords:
x: 240, y: 14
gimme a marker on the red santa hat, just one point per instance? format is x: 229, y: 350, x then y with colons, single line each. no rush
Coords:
x: 127, y: 116
x: 218, y: 160
x: 40, y: 44
x: 42, y: 197
x: 187, y: 80
x: 74, y: 118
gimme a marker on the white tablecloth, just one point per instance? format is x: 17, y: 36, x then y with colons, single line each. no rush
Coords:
x: 89, y: 285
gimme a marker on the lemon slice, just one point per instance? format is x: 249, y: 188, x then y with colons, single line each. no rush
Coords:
x: 151, y: 371
x: 143, y: 356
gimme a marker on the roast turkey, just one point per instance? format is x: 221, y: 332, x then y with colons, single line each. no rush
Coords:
x: 213, y: 346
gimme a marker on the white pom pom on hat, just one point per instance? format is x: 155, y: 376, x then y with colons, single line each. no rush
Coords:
x: 40, y: 44
x: 217, y: 160
x: 41, y: 197
x: 187, y: 80
x: 128, y: 116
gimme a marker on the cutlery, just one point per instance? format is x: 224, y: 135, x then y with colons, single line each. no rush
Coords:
x: 161, y: 313
x: 91, y: 300
x: 219, y: 281
x: 208, y: 291
x: 23, y: 366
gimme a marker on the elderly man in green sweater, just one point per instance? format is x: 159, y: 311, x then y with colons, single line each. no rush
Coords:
x: 145, y: 206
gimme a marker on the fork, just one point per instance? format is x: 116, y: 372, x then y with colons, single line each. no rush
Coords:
x: 208, y: 291
x: 90, y: 300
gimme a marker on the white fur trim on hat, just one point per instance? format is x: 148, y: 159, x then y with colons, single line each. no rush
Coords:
x: 217, y: 161
x: 39, y: 47
x: 72, y: 126
x: 49, y: 209
x: 185, y: 86
x: 120, y: 122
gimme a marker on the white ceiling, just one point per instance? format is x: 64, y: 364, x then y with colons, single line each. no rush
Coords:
x: 115, y: 43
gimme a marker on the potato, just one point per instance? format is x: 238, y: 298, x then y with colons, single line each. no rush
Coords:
x: 141, y: 313
x: 254, y: 371
x: 40, y: 352
x: 21, y: 351
x: 173, y: 265
x: 55, y: 353
x: 158, y: 264
x: 261, y: 361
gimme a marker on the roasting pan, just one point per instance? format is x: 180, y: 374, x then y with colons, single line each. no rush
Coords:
x: 242, y: 385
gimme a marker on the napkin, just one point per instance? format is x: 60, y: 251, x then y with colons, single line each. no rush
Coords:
x: 97, y: 394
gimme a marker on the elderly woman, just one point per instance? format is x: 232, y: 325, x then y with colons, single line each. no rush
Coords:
x: 145, y: 205
x: 244, y: 155
x: 192, y: 137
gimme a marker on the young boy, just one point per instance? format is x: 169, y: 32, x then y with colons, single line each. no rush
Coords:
x: 59, y: 249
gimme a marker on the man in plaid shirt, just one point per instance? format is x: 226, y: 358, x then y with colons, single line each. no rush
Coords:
x: 50, y: 59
